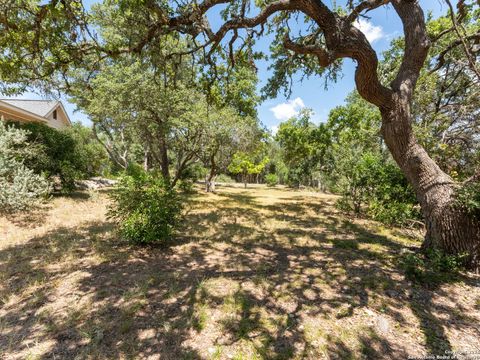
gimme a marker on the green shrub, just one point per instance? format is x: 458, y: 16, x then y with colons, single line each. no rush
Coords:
x: 91, y: 159
x: 393, y: 212
x: 271, y: 179
x: 378, y: 189
x: 222, y: 178
x: 194, y: 172
x: 145, y: 207
x: 68, y: 154
x: 189, y: 175
x: 186, y: 186
x: 20, y: 187
x: 468, y: 197
x: 433, y: 267
x: 54, y: 154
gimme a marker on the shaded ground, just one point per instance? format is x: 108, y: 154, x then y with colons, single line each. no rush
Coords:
x: 258, y: 274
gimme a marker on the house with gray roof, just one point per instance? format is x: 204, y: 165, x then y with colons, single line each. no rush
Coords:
x: 48, y: 112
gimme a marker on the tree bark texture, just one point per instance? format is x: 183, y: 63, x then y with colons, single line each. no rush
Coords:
x: 448, y: 227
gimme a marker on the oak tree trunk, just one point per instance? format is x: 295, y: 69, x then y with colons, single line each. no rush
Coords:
x: 448, y: 227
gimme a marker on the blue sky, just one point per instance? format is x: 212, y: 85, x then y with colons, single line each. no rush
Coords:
x: 380, y: 30
x: 383, y: 26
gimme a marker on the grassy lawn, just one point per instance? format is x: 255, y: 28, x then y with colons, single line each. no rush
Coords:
x: 256, y: 274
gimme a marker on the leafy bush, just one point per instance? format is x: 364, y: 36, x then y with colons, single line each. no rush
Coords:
x: 186, y: 186
x: 68, y: 154
x: 468, y: 197
x: 271, y: 179
x: 377, y: 188
x: 433, y: 267
x: 146, y: 208
x: 194, y: 172
x: 189, y: 175
x: 91, y: 159
x: 222, y: 178
x: 392, y: 212
x: 20, y: 187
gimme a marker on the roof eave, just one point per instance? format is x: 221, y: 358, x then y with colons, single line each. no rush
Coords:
x: 23, y: 111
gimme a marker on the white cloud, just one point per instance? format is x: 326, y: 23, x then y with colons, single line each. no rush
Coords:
x: 274, y: 129
x: 286, y: 110
x: 371, y: 31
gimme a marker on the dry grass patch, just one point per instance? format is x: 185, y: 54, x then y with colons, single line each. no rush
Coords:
x: 261, y: 273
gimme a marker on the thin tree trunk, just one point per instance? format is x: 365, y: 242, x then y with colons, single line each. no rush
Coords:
x: 112, y: 153
x: 212, y: 184
x: 210, y: 181
x: 146, y: 160
x: 164, y: 165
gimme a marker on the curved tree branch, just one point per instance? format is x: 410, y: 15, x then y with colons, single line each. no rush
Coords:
x: 325, y: 58
x: 461, y: 37
x: 367, y: 5
x: 417, y: 45
x: 241, y: 22
x: 453, y: 45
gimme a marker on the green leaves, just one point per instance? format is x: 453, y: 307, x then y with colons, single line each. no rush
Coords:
x: 303, y: 145
x: 38, y: 39
x: 357, y: 166
x: 468, y: 198
x: 57, y: 154
x: 20, y: 186
x: 146, y: 208
x: 244, y: 163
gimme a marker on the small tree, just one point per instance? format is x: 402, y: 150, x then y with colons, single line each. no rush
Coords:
x: 132, y: 109
x: 228, y: 133
x: 271, y: 180
x: 303, y: 145
x: 245, y: 165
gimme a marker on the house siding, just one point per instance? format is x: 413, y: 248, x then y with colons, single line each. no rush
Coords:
x: 59, y: 123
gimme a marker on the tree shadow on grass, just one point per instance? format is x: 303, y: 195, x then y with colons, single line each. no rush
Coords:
x: 372, y: 267
x: 273, y: 281
x: 92, y: 296
x: 31, y: 219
